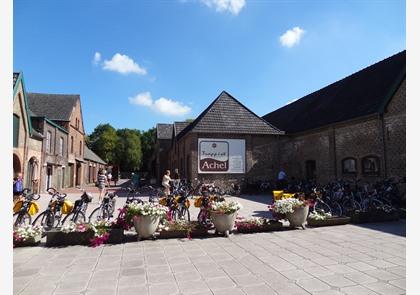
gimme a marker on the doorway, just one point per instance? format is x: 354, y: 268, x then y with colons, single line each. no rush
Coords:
x: 48, y: 177
x: 78, y: 173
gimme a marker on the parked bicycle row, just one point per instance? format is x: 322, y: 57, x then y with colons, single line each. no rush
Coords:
x: 61, y: 211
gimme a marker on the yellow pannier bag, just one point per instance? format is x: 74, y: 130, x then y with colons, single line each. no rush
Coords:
x: 33, y: 208
x: 187, y: 203
x: 162, y: 201
x: 277, y: 195
x: 288, y: 195
x: 67, y: 207
x: 198, y: 202
x: 17, y: 206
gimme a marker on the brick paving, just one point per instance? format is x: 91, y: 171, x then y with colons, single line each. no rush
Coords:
x: 346, y: 259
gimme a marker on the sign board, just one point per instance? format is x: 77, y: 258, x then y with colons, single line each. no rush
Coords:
x: 221, y: 155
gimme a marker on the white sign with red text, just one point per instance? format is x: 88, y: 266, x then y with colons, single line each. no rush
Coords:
x: 221, y: 155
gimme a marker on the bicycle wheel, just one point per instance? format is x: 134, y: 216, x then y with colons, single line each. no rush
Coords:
x: 46, y: 219
x: 99, y: 214
x: 320, y: 206
x: 21, y: 219
x: 185, y: 213
x: 202, y: 216
x: 76, y: 217
x: 336, y: 209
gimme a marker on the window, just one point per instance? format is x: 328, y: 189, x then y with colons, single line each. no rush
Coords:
x: 61, y: 146
x: 80, y: 148
x: 370, y: 165
x: 349, y: 166
x: 15, y: 130
x: 71, y: 144
x: 48, y: 142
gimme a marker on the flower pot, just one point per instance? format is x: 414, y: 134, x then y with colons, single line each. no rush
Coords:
x: 223, y: 223
x: 116, y: 236
x: 34, y: 241
x: 298, y: 216
x: 146, y: 225
x: 57, y: 238
x: 329, y: 221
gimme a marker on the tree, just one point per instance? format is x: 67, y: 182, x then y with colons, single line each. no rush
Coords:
x: 103, y: 142
x: 148, y: 144
x: 128, y: 149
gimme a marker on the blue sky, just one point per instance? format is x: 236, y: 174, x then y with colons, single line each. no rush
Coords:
x: 156, y: 59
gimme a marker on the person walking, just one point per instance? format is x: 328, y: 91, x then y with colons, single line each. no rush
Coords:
x: 166, y: 182
x: 102, y: 181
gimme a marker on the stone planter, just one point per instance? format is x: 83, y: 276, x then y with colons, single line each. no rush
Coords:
x: 180, y: 234
x: 272, y: 226
x: 146, y: 226
x: 374, y: 216
x: 116, y: 236
x: 29, y: 242
x: 298, y: 217
x: 329, y: 221
x: 223, y: 223
x: 57, y: 238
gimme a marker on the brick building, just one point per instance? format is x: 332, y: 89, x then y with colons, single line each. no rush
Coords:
x: 54, y: 156
x: 65, y: 111
x: 27, y: 142
x: 226, y: 143
x: 353, y: 128
x: 93, y: 164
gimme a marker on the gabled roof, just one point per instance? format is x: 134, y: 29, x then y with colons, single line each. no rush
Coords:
x: 227, y: 115
x: 15, y: 78
x: 179, y: 126
x: 53, y: 106
x: 164, y: 131
x: 90, y: 155
x: 363, y: 93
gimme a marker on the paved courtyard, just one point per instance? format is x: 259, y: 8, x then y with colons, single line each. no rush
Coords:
x: 347, y: 259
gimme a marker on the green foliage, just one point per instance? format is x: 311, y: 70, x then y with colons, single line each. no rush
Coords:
x: 103, y: 142
x: 128, y: 149
x: 148, y: 143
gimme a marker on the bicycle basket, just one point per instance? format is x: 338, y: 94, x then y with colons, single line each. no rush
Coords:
x: 67, y: 207
x: 33, y: 208
x: 17, y: 206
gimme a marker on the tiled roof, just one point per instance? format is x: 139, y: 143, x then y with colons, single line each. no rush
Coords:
x: 15, y: 77
x: 90, y: 155
x: 227, y: 115
x: 179, y: 126
x: 53, y: 106
x: 360, y: 94
x: 164, y: 131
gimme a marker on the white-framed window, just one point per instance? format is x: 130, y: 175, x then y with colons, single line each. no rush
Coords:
x: 61, y: 147
x: 48, y: 142
x: 349, y: 165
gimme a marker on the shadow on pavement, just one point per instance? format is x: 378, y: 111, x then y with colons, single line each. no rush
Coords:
x: 264, y: 199
x: 393, y: 227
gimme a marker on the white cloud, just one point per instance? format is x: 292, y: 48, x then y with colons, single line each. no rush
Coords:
x: 232, y: 6
x: 123, y: 64
x: 291, y: 37
x: 143, y: 99
x: 96, y: 58
x: 165, y: 106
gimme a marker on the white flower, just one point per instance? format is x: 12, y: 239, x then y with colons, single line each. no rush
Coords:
x: 287, y: 205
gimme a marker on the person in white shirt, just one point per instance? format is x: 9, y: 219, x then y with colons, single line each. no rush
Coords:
x: 165, y: 182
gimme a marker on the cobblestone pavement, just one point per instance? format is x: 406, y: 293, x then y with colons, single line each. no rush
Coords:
x: 345, y: 259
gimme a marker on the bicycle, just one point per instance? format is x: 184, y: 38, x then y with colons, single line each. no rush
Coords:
x: 105, y: 210
x: 23, y: 209
x: 57, y: 206
x: 78, y: 213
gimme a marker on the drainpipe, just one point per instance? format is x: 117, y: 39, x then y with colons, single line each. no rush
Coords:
x: 384, y: 147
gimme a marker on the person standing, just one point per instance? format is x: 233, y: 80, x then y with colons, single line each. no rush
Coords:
x: 109, y: 178
x: 102, y: 181
x: 281, y: 179
x: 176, y: 179
x: 17, y: 187
x: 166, y: 182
